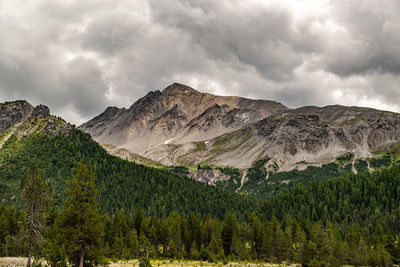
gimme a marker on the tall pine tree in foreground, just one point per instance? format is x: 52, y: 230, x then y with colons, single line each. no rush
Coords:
x: 80, y: 222
x: 35, y: 197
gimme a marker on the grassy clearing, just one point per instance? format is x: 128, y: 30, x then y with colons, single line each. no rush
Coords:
x: 130, y: 156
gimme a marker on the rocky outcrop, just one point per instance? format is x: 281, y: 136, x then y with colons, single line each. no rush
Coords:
x: 40, y: 111
x: 14, y: 112
x: 209, y: 176
x: 20, y: 118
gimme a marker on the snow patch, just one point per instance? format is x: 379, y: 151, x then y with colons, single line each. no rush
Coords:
x: 166, y: 142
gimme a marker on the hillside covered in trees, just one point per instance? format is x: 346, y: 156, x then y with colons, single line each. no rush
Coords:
x: 121, y: 184
x: 345, y: 220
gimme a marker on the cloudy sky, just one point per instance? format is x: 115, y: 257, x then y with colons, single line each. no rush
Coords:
x: 78, y: 57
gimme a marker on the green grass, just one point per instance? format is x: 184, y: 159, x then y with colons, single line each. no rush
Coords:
x: 350, y: 121
x: 200, y: 146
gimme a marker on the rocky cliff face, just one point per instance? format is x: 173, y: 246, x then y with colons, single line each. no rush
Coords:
x: 20, y: 118
x: 14, y: 112
x: 180, y: 126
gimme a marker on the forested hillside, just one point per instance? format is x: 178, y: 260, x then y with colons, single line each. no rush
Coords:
x: 121, y: 184
x: 349, y: 220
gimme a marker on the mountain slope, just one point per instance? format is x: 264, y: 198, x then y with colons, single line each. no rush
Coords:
x: 307, y: 136
x: 33, y: 136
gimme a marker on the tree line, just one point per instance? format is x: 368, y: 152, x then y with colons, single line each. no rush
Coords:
x: 78, y: 234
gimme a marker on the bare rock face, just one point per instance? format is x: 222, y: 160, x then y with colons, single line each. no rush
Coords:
x: 41, y: 111
x: 209, y: 176
x: 14, y: 112
x: 20, y: 118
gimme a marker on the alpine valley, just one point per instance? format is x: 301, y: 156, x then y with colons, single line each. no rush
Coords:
x: 228, y: 179
x: 246, y: 145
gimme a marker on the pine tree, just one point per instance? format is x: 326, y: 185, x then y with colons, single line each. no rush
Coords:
x: 133, y: 244
x: 171, y: 252
x: 145, y: 247
x: 137, y: 220
x: 229, y: 229
x: 299, y: 244
x: 204, y: 253
x: 35, y: 196
x: 194, y: 251
x: 80, y: 221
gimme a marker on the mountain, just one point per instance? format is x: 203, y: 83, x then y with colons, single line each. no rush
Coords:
x: 31, y: 135
x: 177, y: 115
x: 181, y: 126
x: 298, y: 138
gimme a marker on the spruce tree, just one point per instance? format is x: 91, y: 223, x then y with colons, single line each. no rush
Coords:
x: 35, y: 196
x: 229, y: 229
x: 80, y: 221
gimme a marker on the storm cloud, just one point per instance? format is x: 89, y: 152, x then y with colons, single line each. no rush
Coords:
x: 78, y: 57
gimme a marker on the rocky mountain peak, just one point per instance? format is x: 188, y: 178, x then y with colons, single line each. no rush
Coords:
x: 177, y: 115
x: 145, y: 101
x: 178, y: 88
x: 40, y: 111
x: 19, y: 118
x: 14, y: 112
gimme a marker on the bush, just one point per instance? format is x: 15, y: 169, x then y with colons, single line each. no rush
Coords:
x: 144, y: 262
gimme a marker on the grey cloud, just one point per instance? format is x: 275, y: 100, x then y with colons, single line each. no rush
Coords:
x: 239, y: 37
x: 89, y: 54
x: 113, y: 33
x: 85, y: 84
x: 373, y: 42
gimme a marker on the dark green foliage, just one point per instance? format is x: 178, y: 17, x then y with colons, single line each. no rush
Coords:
x: 80, y: 222
x: 362, y: 199
x: 204, y: 167
x: 302, y: 241
x: 346, y: 157
x: 35, y: 197
x: 121, y: 184
x: 229, y: 231
x: 144, y: 262
x: 178, y: 170
x: 10, y: 228
x: 381, y: 162
x: 235, y: 178
x: 260, y: 186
